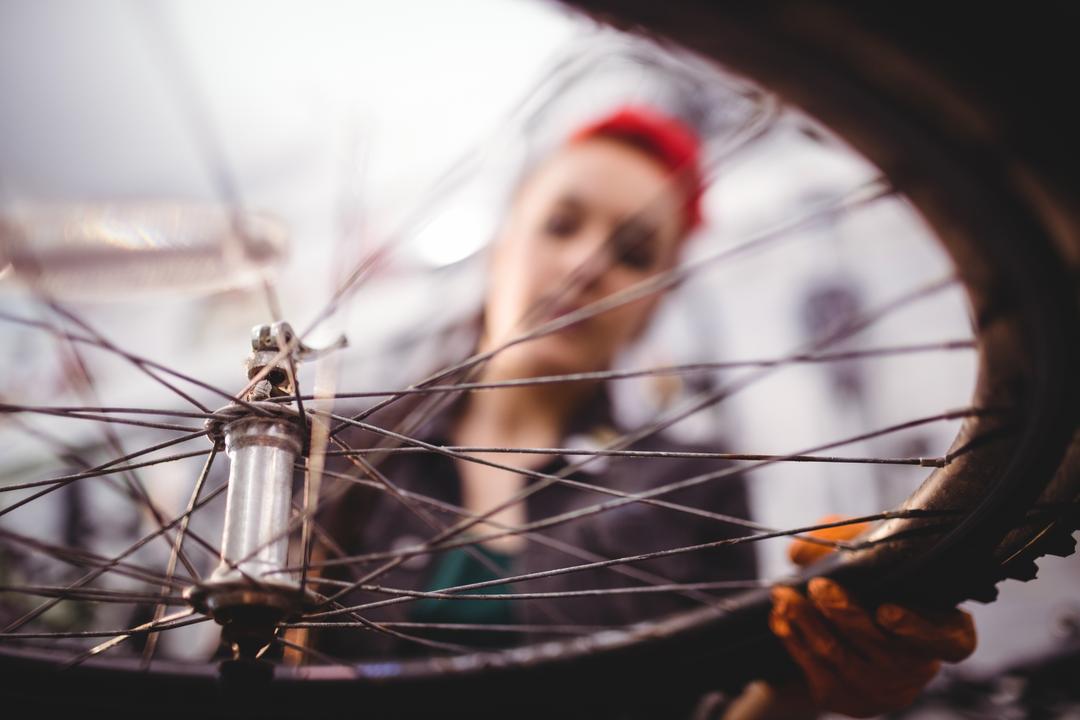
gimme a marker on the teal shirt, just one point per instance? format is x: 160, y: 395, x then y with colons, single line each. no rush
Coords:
x: 462, y: 567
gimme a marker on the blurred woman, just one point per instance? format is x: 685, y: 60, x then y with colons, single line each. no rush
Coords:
x: 608, y: 209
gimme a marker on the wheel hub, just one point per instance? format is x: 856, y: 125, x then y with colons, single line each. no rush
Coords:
x: 252, y: 590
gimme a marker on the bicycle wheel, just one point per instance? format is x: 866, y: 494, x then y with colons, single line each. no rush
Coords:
x: 981, y: 196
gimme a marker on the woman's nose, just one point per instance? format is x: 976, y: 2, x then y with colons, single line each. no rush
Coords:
x: 586, y: 262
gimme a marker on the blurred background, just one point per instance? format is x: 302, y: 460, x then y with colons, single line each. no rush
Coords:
x: 136, y: 138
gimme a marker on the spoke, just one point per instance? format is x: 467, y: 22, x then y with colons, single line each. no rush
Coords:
x: 90, y: 594
x: 4, y: 407
x: 140, y: 630
x: 166, y: 623
x: 686, y: 369
x: 481, y: 627
x: 634, y: 589
x: 7, y: 408
x: 170, y: 570
x: 65, y: 479
x: 129, y: 456
x: 467, y: 449
x: 91, y: 576
x: 645, y: 556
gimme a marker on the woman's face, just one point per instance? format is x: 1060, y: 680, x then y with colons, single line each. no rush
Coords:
x: 597, y: 217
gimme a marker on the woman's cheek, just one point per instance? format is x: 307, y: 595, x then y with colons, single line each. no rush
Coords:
x: 634, y: 318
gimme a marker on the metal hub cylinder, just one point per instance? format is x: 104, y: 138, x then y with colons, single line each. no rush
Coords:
x: 262, y: 452
x: 251, y: 590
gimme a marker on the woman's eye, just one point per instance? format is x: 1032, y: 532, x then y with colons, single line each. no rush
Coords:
x: 562, y: 223
x: 634, y: 246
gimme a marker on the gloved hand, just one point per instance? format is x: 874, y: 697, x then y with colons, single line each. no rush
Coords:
x: 860, y: 662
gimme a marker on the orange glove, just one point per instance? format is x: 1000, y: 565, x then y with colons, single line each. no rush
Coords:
x: 860, y: 663
x: 804, y: 553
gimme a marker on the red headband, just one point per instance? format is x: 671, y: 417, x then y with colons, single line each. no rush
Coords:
x: 662, y: 137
